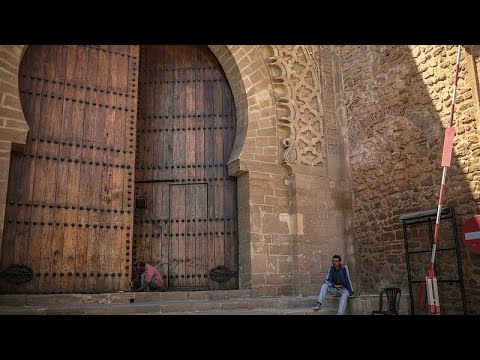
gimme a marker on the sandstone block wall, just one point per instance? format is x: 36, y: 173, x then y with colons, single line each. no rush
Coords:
x: 397, y: 103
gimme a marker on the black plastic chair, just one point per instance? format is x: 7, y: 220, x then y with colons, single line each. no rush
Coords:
x: 393, y: 301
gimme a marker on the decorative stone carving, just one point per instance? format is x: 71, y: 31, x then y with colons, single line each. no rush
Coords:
x: 295, y: 74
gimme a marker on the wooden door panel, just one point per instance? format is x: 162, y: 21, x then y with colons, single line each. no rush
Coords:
x: 151, y: 226
x: 70, y: 215
x: 185, y: 134
x: 188, y: 245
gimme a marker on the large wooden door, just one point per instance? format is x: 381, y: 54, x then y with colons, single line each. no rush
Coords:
x: 186, y: 213
x: 69, y: 213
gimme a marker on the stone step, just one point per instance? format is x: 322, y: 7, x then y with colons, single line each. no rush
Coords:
x: 120, y: 297
x: 187, y: 303
x: 267, y: 311
x: 178, y: 302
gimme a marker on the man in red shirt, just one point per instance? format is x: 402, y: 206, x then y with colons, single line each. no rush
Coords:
x: 150, y: 278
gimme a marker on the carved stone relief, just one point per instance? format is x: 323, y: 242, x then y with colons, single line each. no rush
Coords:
x: 295, y: 75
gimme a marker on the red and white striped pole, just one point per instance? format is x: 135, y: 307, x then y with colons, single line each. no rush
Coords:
x: 431, y: 278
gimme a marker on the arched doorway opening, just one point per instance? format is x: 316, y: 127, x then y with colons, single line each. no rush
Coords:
x: 70, y: 203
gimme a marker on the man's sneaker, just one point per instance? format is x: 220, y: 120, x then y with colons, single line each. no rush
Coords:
x: 317, y: 307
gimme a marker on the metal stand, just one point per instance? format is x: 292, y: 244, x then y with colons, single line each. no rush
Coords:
x: 429, y: 217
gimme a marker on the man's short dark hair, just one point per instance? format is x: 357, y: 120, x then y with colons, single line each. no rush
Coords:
x: 337, y: 257
x: 141, y: 264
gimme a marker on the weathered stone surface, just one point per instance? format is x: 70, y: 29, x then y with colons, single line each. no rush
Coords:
x: 398, y: 103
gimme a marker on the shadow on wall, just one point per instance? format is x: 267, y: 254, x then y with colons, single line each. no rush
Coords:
x: 398, y: 103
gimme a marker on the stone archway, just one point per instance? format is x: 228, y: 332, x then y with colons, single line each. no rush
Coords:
x: 254, y: 99
x: 255, y: 106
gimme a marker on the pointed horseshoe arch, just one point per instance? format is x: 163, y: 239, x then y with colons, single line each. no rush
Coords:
x: 252, y: 71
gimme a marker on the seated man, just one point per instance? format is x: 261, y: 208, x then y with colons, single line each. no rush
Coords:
x: 337, y: 282
x: 150, y: 278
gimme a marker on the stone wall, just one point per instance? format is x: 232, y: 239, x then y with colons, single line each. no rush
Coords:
x: 310, y: 216
x: 397, y: 104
